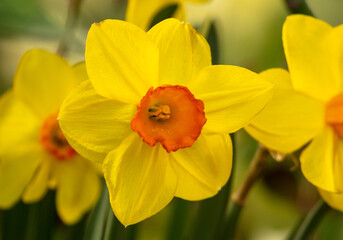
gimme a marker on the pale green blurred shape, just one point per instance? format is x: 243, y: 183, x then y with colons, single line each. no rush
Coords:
x: 27, y: 24
x: 330, y: 11
x: 249, y: 30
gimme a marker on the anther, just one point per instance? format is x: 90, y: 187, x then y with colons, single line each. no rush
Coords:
x: 53, y: 139
x: 159, y: 112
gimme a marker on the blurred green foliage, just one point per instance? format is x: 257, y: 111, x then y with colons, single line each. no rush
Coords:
x: 23, y: 17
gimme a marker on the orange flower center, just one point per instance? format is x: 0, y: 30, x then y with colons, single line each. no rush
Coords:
x: 334, y: 114
x: 53, y: 140
x: 169, y: 115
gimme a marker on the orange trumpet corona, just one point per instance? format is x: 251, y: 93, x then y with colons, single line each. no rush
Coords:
x: 334, y: 114
x: 53, y: 140
x: 169, y: 115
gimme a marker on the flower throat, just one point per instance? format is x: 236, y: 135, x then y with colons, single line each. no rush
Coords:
x: 334, y: 114
x: 53, y: 140
x: 170, y: 115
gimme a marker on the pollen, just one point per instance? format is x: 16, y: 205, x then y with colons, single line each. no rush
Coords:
x: 53, y: 140
x: 159, y: 112
x: 334, y: 114
x: 169, y: 115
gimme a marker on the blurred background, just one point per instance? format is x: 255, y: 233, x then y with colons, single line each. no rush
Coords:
x: 245, y: 33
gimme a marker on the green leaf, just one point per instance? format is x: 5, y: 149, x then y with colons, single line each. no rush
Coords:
x: 165, y: 13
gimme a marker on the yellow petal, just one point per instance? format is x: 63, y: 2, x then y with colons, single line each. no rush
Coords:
x: 318, y: 161
x: 92, y: 124
x: 335, y: 200
x: 290, y: 119
x: 43, y: 80
x: 310, y: 48
x: 203, y: 168
x: 122, y: 62
x: 232, y: 96
x: 336, y: 37
x: 142, y: 13
x: 16, y: 169
x: 140, y: 179
x: 38, y: 185
x: 18, y: 124
x: 183, y: 51
x: 78, y: 188
x: 80, y: 72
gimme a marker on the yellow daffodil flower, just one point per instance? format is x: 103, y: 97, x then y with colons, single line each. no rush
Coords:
x: 308, y: 102
x: 34, y: 153
x: 290, y: 119
x: 158, y: 114
x: 142, y: 13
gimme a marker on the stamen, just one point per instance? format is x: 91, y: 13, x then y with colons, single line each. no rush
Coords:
x: 169, y: 115
x: 54, y: 141
x: 159, y: 112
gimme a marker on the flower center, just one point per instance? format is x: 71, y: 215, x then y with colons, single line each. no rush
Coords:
x: 53, y: 140
x: 159, y: 112
x: 334, y: 114
x: 169, y: 115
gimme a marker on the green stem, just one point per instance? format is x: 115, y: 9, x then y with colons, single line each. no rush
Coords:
x: 311, y: 221
x: 210, y: 213
x: 73, y: 13
x: 96, y: 222
x: 253, y: 174
x: 255, y: 171
x: 115, y: 230
x: 76, y: 231
x: 40, y: 218
x: 14, y: 219
x: 165, y: 13
x: 178, y: 220
x: 131, y: 232
x: 232, y: 220
x: 213, y: 41
x: 1, y: 224
x: 110, y: 225
x: 298, y: 6
x: 226, y: 196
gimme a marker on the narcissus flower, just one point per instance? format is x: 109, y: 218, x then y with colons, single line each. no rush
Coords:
x: 159, y: 114
x: 308, y: 102
x: 34, y: 153
x: 142, y: 13
x: 290, y: 119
